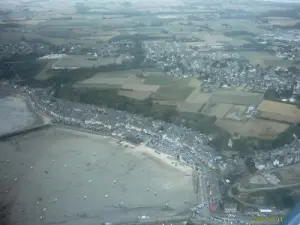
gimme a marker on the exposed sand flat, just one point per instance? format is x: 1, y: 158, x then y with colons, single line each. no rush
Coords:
x: 164, y: 159
x: 14, y: 114
x: 61, y: 176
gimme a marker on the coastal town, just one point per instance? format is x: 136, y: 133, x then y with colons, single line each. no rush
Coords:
x: 193, y: 106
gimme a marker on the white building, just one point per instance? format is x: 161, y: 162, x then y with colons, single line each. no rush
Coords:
x: 265, y: 210
x: 230, y: 208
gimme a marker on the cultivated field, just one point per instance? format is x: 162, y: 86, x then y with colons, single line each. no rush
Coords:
x: 119, y: 77
x: 279, y: 111
x: 173, y: 93
x: 278, y: 62
x: 59, y: 24
x: 227, y: 25
x: 256, y: 57
x: 141, y: 87
x: 218, y: 110
x: 17, y: 34
x: 136, y: 94
x: 127, y: 82
x: 236, y: 97
x: 119, y: 81
x: 82, y: 61
x: 185, y: 95
x: 44, y: 74
x: 227, y: 105
x: 101, y: 37
x: 198, y: 97
x: 289, y: 174
x: 30, y: 22
x: 258, y: 180
x: 215, y: 38
x: 159, y: 79
x: 282, y: 21
x: 258, y: 128
x: 170, y: 16
x: 193, y: 82
x: 265, y: 59
x: 189, y: 107
x: 164, y: 88
x: 122, y: 73
x: 15, y: 37
x: 78, y: 30
x: 236, y: 112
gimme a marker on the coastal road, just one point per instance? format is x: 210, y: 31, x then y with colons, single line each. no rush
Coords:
x: 204, y: 192
x: 201, y: 191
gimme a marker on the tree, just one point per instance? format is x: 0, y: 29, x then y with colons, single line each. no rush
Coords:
x: 168, y: 114
x: 281, y: 198
x: 23, y: 38
x: 148, y: 101
x: 271, y: 94
x: 250, y: 165
x: 286, y: 93
x: 235, y: 191
x: 293, y: 69
x: 189, y: 222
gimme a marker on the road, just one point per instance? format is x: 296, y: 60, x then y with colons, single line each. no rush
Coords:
x: 201, y: 191
x: 203, y: 197
x: 204, y: 193
x: 238, y: 185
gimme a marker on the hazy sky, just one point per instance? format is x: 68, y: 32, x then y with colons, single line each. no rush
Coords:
x: 285, y: 1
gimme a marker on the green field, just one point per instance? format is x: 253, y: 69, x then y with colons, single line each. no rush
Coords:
x: 83, y: 61
x: 68, y: 23
x: 236, y: 97
x: 265, y: 59
x: 182, y: 82
x: 97, y: 86
x: 158, y: 80
x: 173, y: 93
x: 278, y: 62
x: 11, y: 37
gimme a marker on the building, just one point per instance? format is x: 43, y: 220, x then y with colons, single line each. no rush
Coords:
x: 265, y: 210
x: 212, y: 207
x: 230, y: 207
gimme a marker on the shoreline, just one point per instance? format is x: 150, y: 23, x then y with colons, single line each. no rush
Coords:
x: 104, y: 167
x: 166, y: 159
x: 43, y: 120
x: 163, y: 158
x: 40, y: 119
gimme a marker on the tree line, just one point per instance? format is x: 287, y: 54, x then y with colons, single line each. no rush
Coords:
x: 111, y: 99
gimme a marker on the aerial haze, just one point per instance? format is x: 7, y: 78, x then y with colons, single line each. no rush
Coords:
x: 149, y: 112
